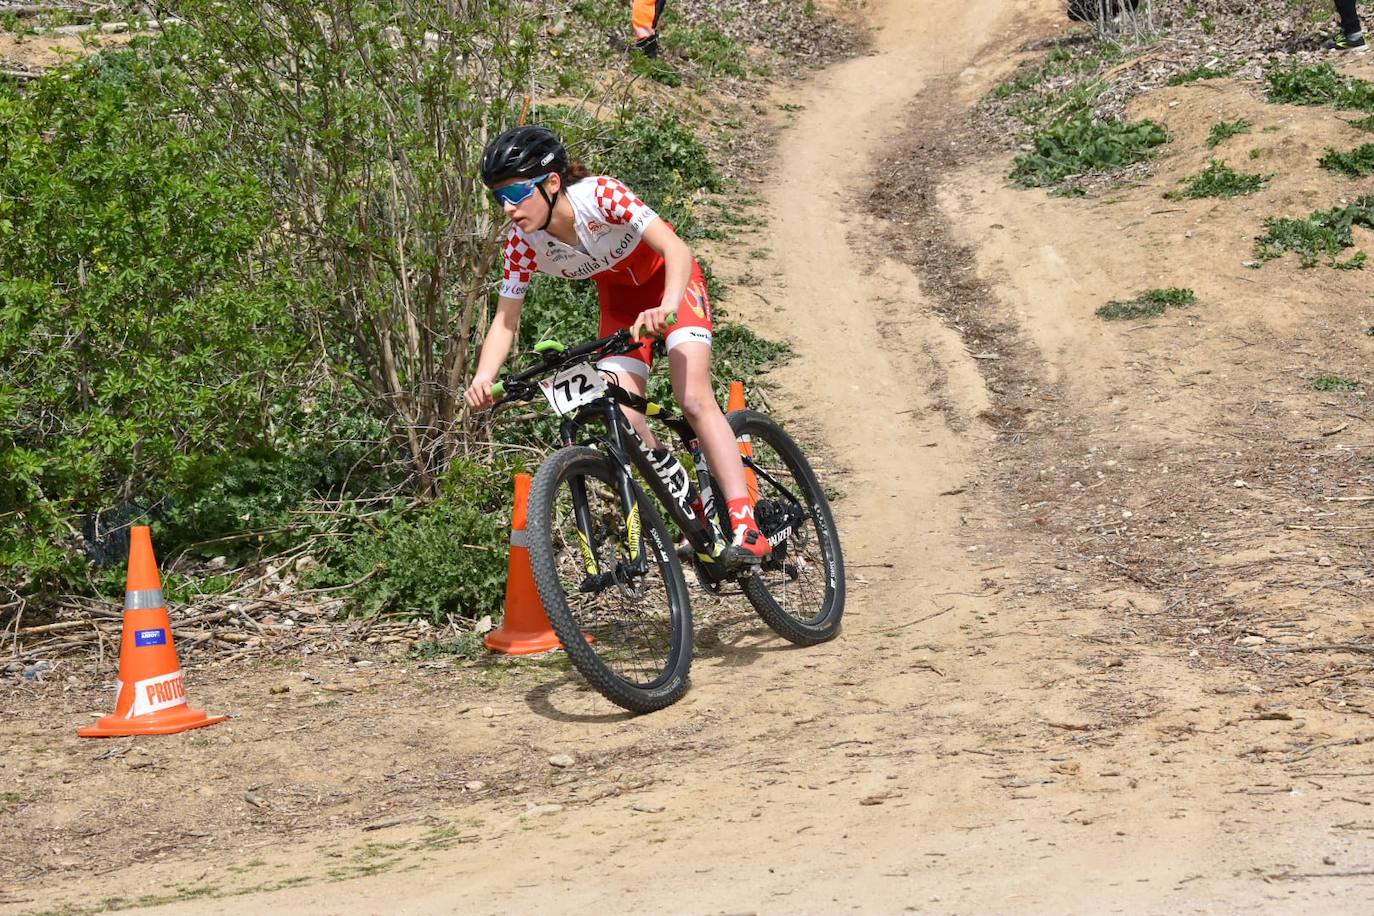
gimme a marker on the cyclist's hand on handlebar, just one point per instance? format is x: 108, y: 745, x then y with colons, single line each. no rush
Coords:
x: 479, y: 394
x: 654, y: 321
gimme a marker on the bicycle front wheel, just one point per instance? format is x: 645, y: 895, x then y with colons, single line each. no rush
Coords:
x: 799, y: 591
x: 610, y: 581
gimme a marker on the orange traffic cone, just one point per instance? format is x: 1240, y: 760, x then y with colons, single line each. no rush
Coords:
x: 746, y: 447
x: 150, y: 697
x: 525, y: 627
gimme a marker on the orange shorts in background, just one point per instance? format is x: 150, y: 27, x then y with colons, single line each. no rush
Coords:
x: 645, y: 15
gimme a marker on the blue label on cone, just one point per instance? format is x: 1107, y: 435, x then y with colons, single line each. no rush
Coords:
x: 156, y: 637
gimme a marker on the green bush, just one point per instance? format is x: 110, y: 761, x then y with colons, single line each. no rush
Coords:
x: 1325, y: 233
x: 1200, y: 72
x: 1225, y: 130
x: 139, y: 334
x: 1148, y: 304
x: 1062, y: 86
x: 443, y: 558
x: 1358, y: 163
x: 1220, y: 180
x: 1083, y: 145
x: 709, y: 48
x: 1333, y: 383
x: 1320, y: 85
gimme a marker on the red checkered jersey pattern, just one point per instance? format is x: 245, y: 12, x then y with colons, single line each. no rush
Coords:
x: 617, y: 203
x: 609, y: 221
x: 521, y: 263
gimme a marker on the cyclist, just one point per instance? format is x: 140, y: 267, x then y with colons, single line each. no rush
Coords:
x: 569, y: 223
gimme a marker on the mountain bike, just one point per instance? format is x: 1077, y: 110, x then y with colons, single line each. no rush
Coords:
x: 606, y: 566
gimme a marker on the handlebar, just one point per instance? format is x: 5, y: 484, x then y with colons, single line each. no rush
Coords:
x: 519, y: 388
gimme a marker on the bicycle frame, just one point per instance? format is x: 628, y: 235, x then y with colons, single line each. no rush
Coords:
x: 703, y: 527
x: 628, y: 449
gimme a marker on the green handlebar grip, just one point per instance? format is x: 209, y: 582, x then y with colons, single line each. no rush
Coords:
x: 498, y: 389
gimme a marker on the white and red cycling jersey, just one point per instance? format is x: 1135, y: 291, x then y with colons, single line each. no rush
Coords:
x: 610, y: 222
x: 629, y: 274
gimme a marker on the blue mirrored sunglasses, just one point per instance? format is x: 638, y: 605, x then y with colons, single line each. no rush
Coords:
x: 517, y: 193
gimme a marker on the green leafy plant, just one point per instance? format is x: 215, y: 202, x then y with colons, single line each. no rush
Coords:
x: 429, y: 560
x: 1060, y: 87
x: 1225, y: 130
x: 1357, y: 163
x: 1220, y: 180
x: 1149, y: 304
x: 1084, y: 145
x: 1332, y: 383
x: 656, y: 69
x: 709, y: 48
x: 1200, y: 72
x: 140, y: 332
x: 1320, y: 85
x: 1325, y: 233
x: 1366, y: 123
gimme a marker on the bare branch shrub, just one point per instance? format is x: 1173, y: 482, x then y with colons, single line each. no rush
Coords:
x: 366, y: 119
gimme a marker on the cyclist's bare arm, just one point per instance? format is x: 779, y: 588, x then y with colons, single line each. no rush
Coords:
x: 677, y: 261
x: 495, y: 349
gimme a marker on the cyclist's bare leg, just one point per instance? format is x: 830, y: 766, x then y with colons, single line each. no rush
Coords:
x: 690, y: 365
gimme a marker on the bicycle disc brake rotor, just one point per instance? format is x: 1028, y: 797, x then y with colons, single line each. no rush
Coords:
x: 615, y: 557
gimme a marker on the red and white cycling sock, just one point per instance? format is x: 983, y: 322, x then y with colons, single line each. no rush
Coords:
x: 741, y: 514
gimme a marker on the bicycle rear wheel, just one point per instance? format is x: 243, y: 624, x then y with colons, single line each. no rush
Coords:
x: 799, y: 590
x: 612, y: 586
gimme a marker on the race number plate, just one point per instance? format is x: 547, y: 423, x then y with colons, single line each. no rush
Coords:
x: 571, y: 388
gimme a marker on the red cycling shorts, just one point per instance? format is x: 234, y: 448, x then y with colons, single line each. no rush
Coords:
x: 623, y: 299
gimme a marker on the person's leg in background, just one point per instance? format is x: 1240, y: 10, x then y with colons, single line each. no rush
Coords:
x: 1351, y: 37
x: 644, y: 18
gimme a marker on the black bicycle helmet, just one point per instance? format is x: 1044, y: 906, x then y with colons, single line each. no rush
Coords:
x: 523, y: 152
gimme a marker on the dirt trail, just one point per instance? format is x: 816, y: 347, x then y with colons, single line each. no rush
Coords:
x: 969, y: 744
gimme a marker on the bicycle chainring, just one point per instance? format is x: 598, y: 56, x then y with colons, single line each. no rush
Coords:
x: 775, y: 516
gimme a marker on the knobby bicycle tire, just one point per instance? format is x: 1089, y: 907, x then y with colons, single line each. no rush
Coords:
x: 615, y: 636
x: 802, y: 613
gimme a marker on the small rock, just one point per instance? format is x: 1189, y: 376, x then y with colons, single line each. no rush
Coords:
x: 541, y: 810
x: 1068, y: 768
x: 1323, y: 561
x: 1240, y: 484
x: 1114, y: 661
x: 254, y: 799
x: 1253, y: 641
x: 562, y: 761
x: 488, y: 712
x: 646, y: 807
x: 475, y: 786
x: 1328, y: 860
x: 217, y: 563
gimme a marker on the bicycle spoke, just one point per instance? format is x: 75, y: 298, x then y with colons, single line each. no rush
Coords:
x: 629, y: 620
